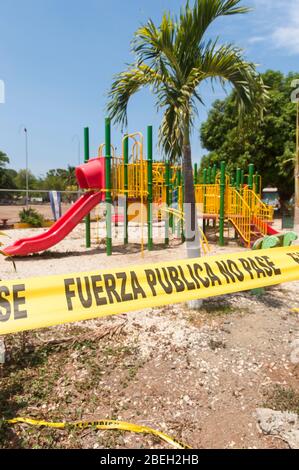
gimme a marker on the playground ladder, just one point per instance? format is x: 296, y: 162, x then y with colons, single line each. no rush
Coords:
x: 239, y: 214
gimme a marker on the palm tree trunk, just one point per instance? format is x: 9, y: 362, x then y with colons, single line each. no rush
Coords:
x: 191, y: 225
x: 297, y: 172
x: 192, y: 235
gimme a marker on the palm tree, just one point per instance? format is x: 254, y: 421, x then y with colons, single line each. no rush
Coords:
x: 174, y: 59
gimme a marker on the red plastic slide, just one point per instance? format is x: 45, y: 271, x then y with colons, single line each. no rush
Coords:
x: 89, y: 176
x: 271, y: 230
x: 59, y: 230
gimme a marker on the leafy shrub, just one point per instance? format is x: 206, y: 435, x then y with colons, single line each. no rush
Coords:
x: 32, y: 217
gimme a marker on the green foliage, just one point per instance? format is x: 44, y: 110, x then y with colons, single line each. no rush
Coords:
x: 7, y: 176
x: 60, y: 179
x: 20, y: 180
x: 3, y: 159
x: 268, y: 141
x: 283, y: 399
x: 57, y: 179
x: 32, y: 217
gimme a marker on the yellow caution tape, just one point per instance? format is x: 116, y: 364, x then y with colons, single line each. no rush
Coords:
x: 47, y: 301
x: 103, y: 425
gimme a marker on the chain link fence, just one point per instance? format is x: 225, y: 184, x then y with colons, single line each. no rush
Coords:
x: 12, y: 202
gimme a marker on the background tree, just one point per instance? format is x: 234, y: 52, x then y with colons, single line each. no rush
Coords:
x: 3, y: 159
x: 7, y: 177
x: 173, y: 59
x: 60, y: 179
x: 20, y: 180
x: 269, y: 143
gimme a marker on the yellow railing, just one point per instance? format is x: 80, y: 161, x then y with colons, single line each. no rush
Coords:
x: 242, y: 208
x: 137, y: 180
x: 261, y: 212
x: 238, y: 213
x: 209, y: 196
x: 117, y: 176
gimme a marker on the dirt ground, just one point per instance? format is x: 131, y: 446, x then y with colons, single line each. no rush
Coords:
x: 11, y: 212
x: 197, y: 376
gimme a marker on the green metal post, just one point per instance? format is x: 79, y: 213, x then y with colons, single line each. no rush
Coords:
x: 222, y: 205
x: 150, y: 187
x: 167, y: 182
x: 171, y: 218
x: 205, y: 179
x: 108, y: 186
x: 195, y: 175
x: 214, y: 173
x: 86, y: 159
x: 250, y: 175
x: 183, y: 202
x: 238, y: 179
x: 256, y: 183
x: 209, y: 177
x: 126, y: 186
x: 180, y: 188
x: 242, y: 179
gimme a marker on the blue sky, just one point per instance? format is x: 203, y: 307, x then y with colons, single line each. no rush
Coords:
x: 57, y: 59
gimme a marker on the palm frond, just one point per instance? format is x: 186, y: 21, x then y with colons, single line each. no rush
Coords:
x: 194, y: 22
x: 225, y: 63
x: 173, y: 58
x: 156, y: 45
x: 126, y: 84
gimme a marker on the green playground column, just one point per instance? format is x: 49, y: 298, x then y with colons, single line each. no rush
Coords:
x: 205, y: 179
x: 150, y: 187
x: 209, y: 177
x: 195, y: 174
x: 222, y: 205
x: 167, y: 182
x: 180, y: 189
x: 214, y: 173
x: 171, y: 217
x: 126, y: 187
x: 242, y: 179
x: 250, y: 175
x: 108, y: 186
x: 238, y: 179
x: 256, y: 183
x: 86, y: 159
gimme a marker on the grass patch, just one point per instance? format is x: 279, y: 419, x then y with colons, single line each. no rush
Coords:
x: 213, y: 344
x: 219, y: 309
x: 67, y: 379
x: 282, y: 399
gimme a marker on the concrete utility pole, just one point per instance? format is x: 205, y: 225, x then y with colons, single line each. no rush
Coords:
x: 297, y: 168
x: 27, y: 175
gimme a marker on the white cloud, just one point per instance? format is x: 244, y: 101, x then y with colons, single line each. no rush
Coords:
x: 288, y: 38
x: 281, y: 19
x: 256, y: 39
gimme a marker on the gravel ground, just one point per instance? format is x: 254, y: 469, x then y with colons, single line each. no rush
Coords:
x: 198, y: 376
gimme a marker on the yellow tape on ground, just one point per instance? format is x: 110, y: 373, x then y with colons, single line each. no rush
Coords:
x: 103, y: 425
x: 46, y: 301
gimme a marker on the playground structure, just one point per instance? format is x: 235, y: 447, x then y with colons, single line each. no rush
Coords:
x: 155, y: 191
